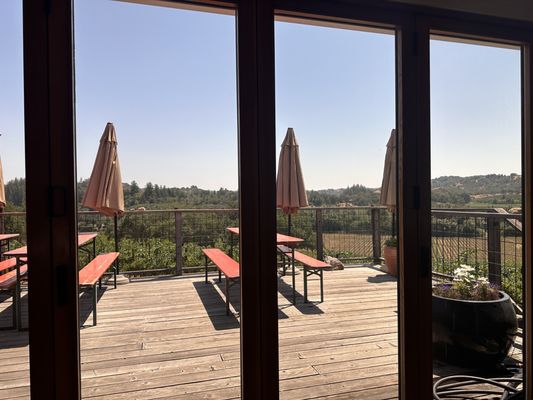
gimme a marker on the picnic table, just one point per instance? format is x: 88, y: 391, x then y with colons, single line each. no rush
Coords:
x: 21, y: 254
x: 5, y: 240
x: 285, y: 245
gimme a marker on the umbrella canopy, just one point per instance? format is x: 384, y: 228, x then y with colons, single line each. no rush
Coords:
x: 2, y: 190
x: 104, y: 192
x: 388, y: 185
x: 290, y: 194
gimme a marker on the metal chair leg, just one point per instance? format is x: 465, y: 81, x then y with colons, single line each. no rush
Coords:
x: 321, y: 285
x: 14, y: 293
x: 114, y: 278
x: 205, y: 269
x: 18, y: 300
x: 95, y: 300
x: 305, y: 284
x: 293, y: 279
x: 227, y: 296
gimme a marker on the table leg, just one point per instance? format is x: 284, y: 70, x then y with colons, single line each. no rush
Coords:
x: 321, y: 285
x: 293, y: 278
x: 17, y: 296
x: 95, y: 302
x: 227, y: 295
x: 305, y: 285
x: 205, y: 269
x: 94, y: 248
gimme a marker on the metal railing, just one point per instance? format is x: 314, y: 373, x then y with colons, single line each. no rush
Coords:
x: 170, y: 241
x: 488, y: 240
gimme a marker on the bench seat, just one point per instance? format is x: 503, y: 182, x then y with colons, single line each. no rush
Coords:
x: 92, y: 272
x: 9, y: 279
x: 311, y: 266
x: 309, y: 261
x: 91, y: 275
x: 8, y: 264
x: 226, y: 265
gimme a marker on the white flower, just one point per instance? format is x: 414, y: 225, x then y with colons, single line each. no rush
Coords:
x: 483, y: 281
x: 465, y: 273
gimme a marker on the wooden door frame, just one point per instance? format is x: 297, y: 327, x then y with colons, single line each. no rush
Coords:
x: 257, y: 200
x: 51, y: 199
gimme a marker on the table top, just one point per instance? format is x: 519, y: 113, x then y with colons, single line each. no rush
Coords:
x: 8, y: 236
x: 83, y: 238
x: 280, y: 238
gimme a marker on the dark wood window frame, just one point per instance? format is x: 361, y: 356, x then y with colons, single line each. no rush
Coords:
x: 51, y: 179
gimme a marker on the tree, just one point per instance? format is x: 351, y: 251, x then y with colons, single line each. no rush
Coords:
x: 134, y: 188
x: 148, y: 193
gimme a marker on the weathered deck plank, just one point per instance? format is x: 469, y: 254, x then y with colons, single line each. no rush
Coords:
x: 170, y: 338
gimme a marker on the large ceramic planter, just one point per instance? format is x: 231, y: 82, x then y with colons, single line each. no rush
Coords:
x: 390, y: 254
x: 473, y: 333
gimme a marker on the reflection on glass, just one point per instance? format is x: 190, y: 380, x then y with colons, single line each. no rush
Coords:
x: 476, y: 217
x: 335, y: 105
x: 157, y: 160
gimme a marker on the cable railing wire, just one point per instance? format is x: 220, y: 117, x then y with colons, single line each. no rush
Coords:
x: 170, y: 241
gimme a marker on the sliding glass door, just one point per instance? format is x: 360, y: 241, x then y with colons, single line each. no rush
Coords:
x: 477, y: 215
x: 336, y: 199
x: 446, y: 93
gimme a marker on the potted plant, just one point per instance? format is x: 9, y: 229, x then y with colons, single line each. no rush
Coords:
x: 390, y: 253
x: 474, y: 323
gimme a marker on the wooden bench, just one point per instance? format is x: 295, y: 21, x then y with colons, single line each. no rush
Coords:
x: 91, y: 275
x: 227, y: 266
x: 312, y: 266
x: 8, y: 282
x: 8, y: 264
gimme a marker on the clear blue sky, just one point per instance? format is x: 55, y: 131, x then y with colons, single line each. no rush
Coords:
x: 167, y: 79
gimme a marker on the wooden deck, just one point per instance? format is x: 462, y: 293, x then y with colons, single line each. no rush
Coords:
x: 170, y: 338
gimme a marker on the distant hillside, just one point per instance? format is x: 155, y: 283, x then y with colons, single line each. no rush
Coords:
x: 447, y: 191
x: 477, y: 191
x: 480, y: 184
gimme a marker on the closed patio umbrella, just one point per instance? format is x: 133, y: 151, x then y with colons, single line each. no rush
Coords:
x: 104, y: 192
x: 290, y: 193
x: 388, y: 186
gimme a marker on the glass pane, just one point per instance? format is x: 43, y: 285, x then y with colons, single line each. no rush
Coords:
x: 335, y: 100
x: 166, y: 78
x: 476, y: 216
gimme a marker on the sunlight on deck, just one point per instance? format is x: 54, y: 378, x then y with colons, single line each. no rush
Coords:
x: 160, y: 338
x: 170, y: 338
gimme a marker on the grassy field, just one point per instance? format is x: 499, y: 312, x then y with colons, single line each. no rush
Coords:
x: 468, y: 249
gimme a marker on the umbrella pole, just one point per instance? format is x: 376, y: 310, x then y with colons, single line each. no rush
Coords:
x: 115, y: 218
x: 289, y: 224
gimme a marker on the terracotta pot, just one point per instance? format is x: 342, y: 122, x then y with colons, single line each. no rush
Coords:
x: 391, y: 259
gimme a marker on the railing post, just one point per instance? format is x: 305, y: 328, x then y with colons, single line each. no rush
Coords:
x: 319, y: 236
x: 2, y: 220
x: 494, y: 255
x: 376, y: 235
x: 178, y: 217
